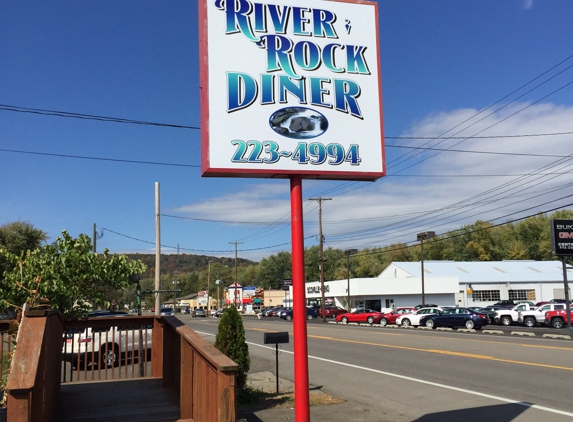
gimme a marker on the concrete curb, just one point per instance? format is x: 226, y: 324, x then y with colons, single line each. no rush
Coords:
x: 444, y: 329
x: 522, y: 333
x: 493, y: 332
x: 560, y: 336
x: 424, y: 328
x: 467, y: 330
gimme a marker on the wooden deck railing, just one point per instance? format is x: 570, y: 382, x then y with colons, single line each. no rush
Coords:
x: 34, y: 382
x: 202, y: 377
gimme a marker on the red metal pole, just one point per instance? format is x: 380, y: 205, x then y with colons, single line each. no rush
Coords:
x: 301, y: 395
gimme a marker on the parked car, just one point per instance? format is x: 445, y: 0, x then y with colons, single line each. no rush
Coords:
x: 277, y: 311
x: 427, y: 305
x: 508, y: 316
x: 557, y: 319
x: 266, y: 311
x: 455, y: 317
x: 361, y: 315
x: 557, y: 301
x: 219, y: 312
x: 199, y: 313
x: 105, y: 312
x: 166, y: 311
x: 187, y: 311
x: 7, y: 315
x: 537, y: 316
x: 505, y: 302
x: 105, y: 345
x: 332, y: 311
x: 414, y: 317
x: 530, y: 303
x: 390, y: 318
x: 310, y: 314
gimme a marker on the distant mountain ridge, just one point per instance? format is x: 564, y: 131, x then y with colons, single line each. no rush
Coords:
x: 184, y: 263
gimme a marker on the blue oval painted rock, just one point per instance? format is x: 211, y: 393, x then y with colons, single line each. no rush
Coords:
x: 298, y: 122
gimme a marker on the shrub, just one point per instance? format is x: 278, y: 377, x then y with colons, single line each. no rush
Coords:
x: 231, y: 342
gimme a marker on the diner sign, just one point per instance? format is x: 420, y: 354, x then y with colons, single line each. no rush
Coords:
x: 291, y: 88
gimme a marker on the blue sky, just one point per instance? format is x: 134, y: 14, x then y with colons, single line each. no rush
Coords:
x: 442, y: 62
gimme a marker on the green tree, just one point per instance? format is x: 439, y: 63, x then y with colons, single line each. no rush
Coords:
x: 231, y: 342
x: 273, y: 269
x: 17, y: 238
x: 67, y: 275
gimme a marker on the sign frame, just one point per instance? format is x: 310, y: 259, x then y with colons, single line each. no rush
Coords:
x: 220, y: 148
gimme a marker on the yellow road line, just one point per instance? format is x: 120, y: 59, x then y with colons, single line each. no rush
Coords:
x: 450, y: 353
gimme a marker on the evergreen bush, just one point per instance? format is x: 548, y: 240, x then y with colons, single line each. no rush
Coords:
x: 231, y: 342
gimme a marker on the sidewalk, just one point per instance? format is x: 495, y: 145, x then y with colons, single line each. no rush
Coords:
x: 266, y: 381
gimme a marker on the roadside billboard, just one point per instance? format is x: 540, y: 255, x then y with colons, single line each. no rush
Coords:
x: 562, y: 237
x: 291, y: 88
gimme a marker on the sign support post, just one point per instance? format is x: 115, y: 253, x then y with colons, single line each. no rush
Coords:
x: 567, y: 303
x: 301, y: 394
x: 562, y: 246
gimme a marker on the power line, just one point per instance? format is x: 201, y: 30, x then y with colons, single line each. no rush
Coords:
x: 497, y: 102
x: 477, y: 137
x: 463, y: 234
x: 490, y: 126
x: 514, y: 154
x: 19, y: 109
x: 86, y: 157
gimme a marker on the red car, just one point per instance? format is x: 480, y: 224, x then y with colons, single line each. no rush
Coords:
x: 391, y: 317
x: 361, y: 315
x: 332, y: 311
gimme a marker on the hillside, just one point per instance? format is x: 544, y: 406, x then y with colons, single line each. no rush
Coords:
x: 185, y: 263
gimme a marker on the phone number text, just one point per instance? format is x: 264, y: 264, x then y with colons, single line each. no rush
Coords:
x: 315, y: 153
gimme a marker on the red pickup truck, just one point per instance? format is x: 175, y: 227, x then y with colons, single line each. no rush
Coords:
x: 557, y: 319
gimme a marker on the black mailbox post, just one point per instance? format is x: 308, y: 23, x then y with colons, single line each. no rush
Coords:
x: 276, y: 339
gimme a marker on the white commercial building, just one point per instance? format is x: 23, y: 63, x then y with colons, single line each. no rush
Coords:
x: 447, y: 283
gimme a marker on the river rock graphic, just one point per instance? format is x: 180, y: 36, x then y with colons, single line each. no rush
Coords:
x: 298, y: 122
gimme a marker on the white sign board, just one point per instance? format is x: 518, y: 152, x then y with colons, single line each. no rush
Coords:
x: 291, y: 88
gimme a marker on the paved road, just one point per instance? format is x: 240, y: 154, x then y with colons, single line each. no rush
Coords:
x: 415, y: 375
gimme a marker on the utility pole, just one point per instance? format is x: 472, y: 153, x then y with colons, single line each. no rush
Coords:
x: 208, y: 288
x: 157, y: 249
x: 95, y: 238
x: 236, y: 274
x: 321, y: 252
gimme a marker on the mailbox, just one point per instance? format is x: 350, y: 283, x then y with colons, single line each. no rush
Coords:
x: 275, y: 338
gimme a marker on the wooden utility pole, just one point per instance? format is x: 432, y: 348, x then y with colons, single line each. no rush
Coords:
x: 157, y: 250
x: 236, y: 273
x: 321, y: 252
x: 95, y: 238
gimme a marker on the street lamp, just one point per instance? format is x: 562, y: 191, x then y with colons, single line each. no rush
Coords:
x: 349, y: 252
x: 208, y: 286
x: 217, y: 282
x: 175, y: 283
x: 421, y: 237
